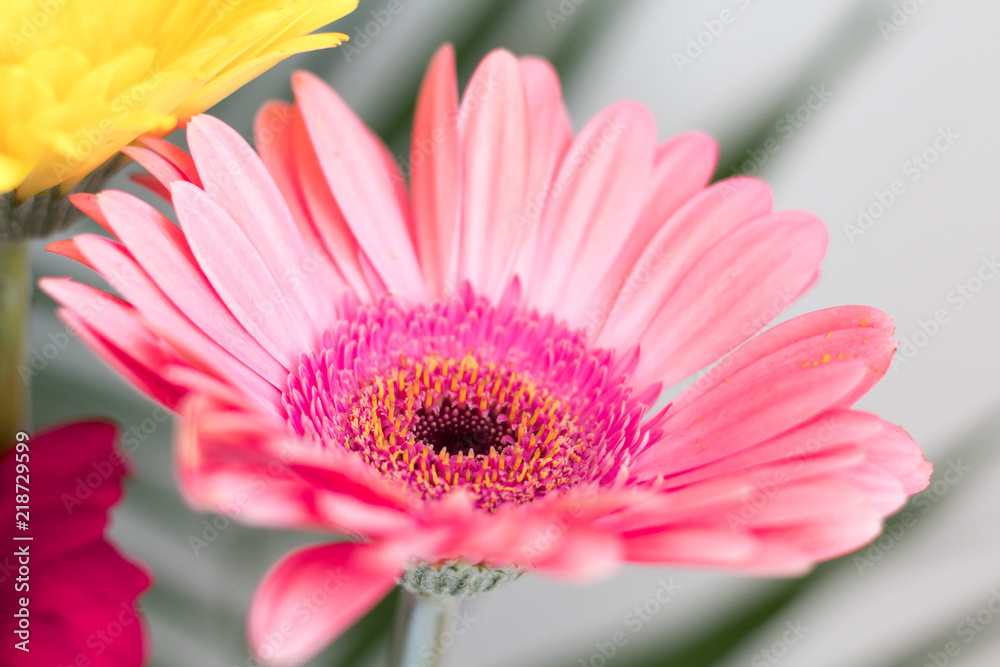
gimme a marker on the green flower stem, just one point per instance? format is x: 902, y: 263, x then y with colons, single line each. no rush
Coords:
x: 15, y: 318
x: 420, y: 622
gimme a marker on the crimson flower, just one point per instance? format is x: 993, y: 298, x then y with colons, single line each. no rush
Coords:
x: 69, y: 596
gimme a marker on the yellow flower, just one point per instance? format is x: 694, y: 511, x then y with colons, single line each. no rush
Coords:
x: 80, y: 79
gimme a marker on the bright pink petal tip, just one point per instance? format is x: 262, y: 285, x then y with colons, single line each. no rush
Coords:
x: 310, y: 597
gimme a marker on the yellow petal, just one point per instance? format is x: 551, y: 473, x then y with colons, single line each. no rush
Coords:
x: 224, y: 85
x: 62, y: 67
x: 82, y: 79
x: 12, y: 172
x: 23, y: 95
x: 110, y: 78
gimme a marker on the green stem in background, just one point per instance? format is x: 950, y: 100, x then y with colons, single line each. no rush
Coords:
x: 421, y: 621
x: 15, y: 317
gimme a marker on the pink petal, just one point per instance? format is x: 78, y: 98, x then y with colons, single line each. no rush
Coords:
x: 810, y: 492
x: 349, y: 476
x: 691, y: 546
x: 100, y: 318
x: 146, y: 378
x: 357, y: 517
x: 225, y: 456
x: 582, y: 554
x: 776, y: 505
x: 327, y: 218
x: 353, y: 161
x: 815, y: 499
x: 435, y: 177
x: 235, y: 178
x: 176, y: 156
x: 593, y: 207
x: 774, y: 394
x: 160, y: 168
x: 274, y: 141
x: 276, y: 134
x: 129, y: 279
x: 376, y: 285
x: 327, y: 580
x: 836, y: 535
x: 198, y: 382
x: 860, y: 332
x: 399, y: 189
x: 740, y: 285
x: 867, y: 439
x: 475, y: 537
x: 241, y: 277
x: 553, y: 535
x: 682, y: 167
x: 894, y: 451
x: 493, y: 131
x: 705, y: 502
x: 67, y: 248
x: 718, y: 546
x: 550, y: 135
x: 87, y: 203
x: 151, y: 184
x: 162, y: 251
x: 681, y: 242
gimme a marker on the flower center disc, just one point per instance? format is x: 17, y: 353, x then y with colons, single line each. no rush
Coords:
x: 444, y: 423
x: 503, y: 404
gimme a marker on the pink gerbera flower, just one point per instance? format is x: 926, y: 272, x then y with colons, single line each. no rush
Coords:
x: 69, y: 598
x: 461, y: 374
